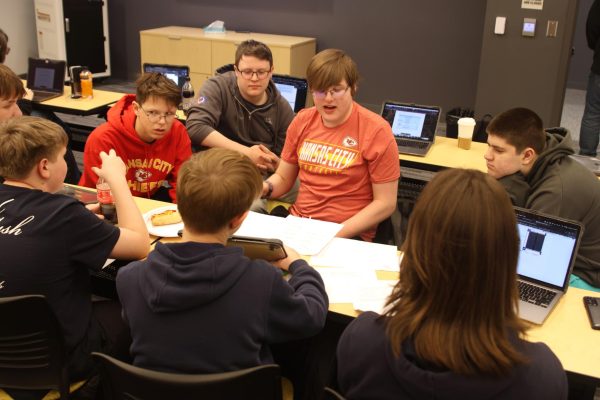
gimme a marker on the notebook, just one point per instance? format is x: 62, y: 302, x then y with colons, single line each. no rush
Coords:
x: 413, y: 126
x: 293, y: 89
x: 547, y: 254
x: 45, y: 78
x: 176, y: 73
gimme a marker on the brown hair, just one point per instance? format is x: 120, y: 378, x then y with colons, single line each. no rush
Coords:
x: 329, y: 67
x: 10, y: 85
x: 253, y: 48
x: 3, y: 46
x: 215, y: 186
x: 520, y: 127
x: 154, y: 84
x: 457, y: 293
x: 24, y: 141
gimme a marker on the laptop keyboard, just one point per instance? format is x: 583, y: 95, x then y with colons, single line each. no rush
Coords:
x: 535, y: 294
x: 412, y: 143
x: 409, y: 190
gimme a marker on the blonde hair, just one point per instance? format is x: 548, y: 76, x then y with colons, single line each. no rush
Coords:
x: 457, y: 293
x: 329, y: 67
x: 215, y: 186
x: 24, y: 141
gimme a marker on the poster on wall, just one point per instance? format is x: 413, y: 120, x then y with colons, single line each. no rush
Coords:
x: 532, y: 4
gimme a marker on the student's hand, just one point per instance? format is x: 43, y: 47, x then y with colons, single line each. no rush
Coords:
x: 112, y: 166
x: 264, y: 158
x: 95, y: 208
x: 284, y: 263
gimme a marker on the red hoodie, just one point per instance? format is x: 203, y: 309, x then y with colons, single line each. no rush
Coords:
x: 148, y: 164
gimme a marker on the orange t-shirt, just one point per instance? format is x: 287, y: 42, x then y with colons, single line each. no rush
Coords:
x: 337, y: 166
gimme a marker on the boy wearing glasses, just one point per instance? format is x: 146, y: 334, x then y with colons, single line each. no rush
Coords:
x: 344, y: 155
x: 144, y: 132
x: 242, y: 110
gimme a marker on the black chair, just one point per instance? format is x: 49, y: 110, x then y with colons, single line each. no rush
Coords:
x: 224, y: 68
x: 124, y: 381
x: 32, y: 354
x: 330, y: 394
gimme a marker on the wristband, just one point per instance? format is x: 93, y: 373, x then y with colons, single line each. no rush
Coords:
x: 269, y: 191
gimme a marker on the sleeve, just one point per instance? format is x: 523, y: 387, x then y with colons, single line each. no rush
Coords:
x: 592, y: 31
x: 204, y: 116
x: 90, y: 239
x: 382, y: 154
x: 91, y: 157
x: 285, y: 116
x: 183, y: 152
x: 298, y: 307
x: 289, y: 153
x: 517, y: 188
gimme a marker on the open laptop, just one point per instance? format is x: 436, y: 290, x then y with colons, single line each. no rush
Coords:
x: 547, y: 254
x: 176, y: 73
x: 45, y: 78
x: 413, y: 126
x: 293, y: 89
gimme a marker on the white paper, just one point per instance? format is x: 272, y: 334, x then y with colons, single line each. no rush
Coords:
x: 372, y: 296
x: 350, y: 253
x: 306, y: 236
x: 342, y: 284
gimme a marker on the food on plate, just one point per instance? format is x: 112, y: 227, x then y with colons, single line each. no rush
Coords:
x: 167, y: 217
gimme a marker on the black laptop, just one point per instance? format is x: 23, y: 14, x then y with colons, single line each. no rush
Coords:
x: 176, y: 73
x: 293, y: 89
x: 413, y: 126
x: 45, y: 78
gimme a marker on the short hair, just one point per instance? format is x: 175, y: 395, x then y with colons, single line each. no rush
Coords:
x: 24, y: 141
x: 215, y: 186
x: 457, y: 293
x: 329, y: 67
x: 3, y: 46
x: 154, y: 84
x: 520, y: 127
x: 253, y: 48
x: 10, y: 84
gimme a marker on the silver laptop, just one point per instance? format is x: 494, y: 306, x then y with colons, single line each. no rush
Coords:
x: 46, y: 78
x: 547, y: 254
x: 176, y: 73
x: 413, y: 126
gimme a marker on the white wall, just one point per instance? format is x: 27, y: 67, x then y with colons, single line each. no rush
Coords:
x: 17, y: 19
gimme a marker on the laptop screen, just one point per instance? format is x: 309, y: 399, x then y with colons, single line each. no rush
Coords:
x: 411, y: 121
x: 294, y: 90
x: 46, y: 75
x: 548, y: 247
x: 176, y: 73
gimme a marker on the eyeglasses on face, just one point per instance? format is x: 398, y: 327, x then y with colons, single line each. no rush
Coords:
x: 155, y: 116
x: 336, y: 92
x: 248, y: 73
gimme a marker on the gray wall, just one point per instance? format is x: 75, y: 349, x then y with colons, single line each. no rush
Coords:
x: 18, y: 21
x: 582, y: 57
x: 421, y: 51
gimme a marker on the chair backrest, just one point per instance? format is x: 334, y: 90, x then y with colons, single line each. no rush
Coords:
x: 224, y: 68
x: 124, y: 381
x: 330, y: 394
x: 32, y: 354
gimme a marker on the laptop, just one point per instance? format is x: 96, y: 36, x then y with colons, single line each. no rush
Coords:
x: 547, y: 253
x: 293, y: 89
x: 45, y: 78
x: 176, y: 73
x: 413, y: 126
x: 591, y: 163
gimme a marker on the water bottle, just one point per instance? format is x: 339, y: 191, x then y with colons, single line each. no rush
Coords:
x: 187, y: 94
x: 107, y: 204
x: 86, y: 83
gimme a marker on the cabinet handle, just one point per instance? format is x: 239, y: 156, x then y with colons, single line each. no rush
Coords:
x: 175, y: 37
x: 67, y: 25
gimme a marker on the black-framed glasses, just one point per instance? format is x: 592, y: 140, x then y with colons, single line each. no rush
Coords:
x: 249, y: 73
x: 336, y: 92
x: 155, y: 116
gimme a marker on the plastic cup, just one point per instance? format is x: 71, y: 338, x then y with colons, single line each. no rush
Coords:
x: 466, y: 126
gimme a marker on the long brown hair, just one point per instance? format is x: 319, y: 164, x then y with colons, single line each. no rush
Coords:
x: 457, y: 293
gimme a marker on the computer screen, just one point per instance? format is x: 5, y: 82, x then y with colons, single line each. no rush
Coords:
x: 411, y: 121
x: 176, y: 73
x: 293, y: 89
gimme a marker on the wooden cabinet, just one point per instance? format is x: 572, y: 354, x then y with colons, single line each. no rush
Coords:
x: 204, y: 53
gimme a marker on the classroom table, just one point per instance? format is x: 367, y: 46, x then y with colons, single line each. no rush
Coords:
x: 445, y: 153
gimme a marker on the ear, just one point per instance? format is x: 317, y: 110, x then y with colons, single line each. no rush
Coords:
x: 236, y: 222
x: 136, y: 107
x: 528, y: 156
x: 42, y: 169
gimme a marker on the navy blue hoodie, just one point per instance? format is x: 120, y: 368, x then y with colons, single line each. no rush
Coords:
x: 202, y: 308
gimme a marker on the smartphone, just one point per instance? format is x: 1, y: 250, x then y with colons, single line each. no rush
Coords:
x: 258, y: 248
x: 592, y: 306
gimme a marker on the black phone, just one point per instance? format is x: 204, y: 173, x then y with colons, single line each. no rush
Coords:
x: 592, y: 306
x: 258, y: 248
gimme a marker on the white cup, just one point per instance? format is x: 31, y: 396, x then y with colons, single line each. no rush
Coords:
x: 466, y: 126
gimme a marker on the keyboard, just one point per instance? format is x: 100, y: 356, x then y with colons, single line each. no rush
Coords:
x: 103, y: 281
x: 410, y: 190
x: 411, y: 143
x: 535, y: 294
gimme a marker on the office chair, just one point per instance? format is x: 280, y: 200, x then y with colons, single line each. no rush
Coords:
x: 32, y: 354
x: 224, y: 68
x: 124, y: 381
x: 330, y: 394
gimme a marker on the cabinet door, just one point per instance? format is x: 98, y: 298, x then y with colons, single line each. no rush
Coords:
x: 176, y: 50
x: 222, y: 53
x: 84, y: 34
